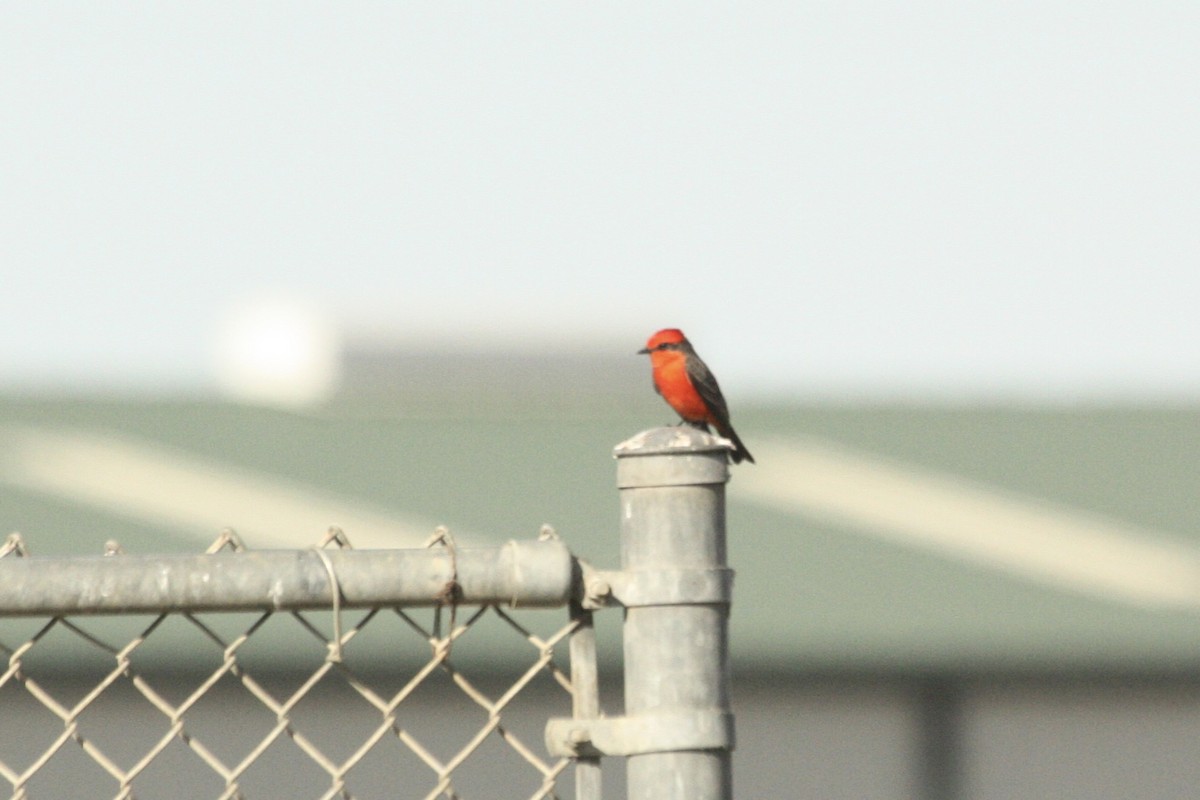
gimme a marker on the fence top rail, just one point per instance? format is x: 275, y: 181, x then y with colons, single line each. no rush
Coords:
x: 516, y: 574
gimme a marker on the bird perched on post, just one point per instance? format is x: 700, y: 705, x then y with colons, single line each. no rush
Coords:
x: 688, y: 386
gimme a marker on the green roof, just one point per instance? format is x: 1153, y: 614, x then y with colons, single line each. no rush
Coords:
x: 825, y: 579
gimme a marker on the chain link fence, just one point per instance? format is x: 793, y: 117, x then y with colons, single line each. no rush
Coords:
x: 102, y: 671
x: 329, y: 672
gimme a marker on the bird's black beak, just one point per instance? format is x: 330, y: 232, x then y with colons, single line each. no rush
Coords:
x: 643, y: 351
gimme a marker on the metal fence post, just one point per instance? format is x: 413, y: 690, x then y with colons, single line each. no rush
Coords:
x: 672, y: 492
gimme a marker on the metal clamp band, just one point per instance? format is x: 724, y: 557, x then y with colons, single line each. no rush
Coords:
x: 666, y: 587
x: 659, y: 732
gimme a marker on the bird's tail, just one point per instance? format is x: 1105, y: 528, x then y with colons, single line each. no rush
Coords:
x: 740, y: 453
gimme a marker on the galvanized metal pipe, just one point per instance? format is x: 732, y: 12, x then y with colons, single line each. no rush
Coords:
x: 672, y: 491
x: 524, y: 574
x: 585, y: 680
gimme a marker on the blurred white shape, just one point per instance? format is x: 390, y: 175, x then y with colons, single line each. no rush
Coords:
x: 278, y: 351
x: 162, y: 486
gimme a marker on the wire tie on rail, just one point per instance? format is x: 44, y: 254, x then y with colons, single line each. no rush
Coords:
x: 335, y: 589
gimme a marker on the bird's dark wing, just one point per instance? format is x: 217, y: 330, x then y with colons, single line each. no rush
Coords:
x: 710, y: 393
x: 707, y: 388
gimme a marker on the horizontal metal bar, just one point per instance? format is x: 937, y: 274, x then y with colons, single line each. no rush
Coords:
x: 527, y: 574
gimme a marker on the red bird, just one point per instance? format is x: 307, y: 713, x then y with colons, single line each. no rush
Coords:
x: 685, y: 383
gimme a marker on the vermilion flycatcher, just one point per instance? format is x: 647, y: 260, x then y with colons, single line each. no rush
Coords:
x: 685, y: 382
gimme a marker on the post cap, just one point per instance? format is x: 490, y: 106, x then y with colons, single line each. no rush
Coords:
x: 673, y: 456
x: 671, y: 440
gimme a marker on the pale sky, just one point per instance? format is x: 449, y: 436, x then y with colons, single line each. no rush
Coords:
x: 913, y: 199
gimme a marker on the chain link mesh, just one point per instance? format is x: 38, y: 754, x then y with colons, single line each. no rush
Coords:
x: 81, y: 733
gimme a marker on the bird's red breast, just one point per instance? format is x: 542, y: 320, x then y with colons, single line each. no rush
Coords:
x: 671, y: 378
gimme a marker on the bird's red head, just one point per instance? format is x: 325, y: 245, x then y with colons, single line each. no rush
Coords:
x: 665, y: 336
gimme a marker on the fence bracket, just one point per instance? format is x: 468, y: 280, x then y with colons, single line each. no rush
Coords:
x: 658, y: 732
x: 662, y: 587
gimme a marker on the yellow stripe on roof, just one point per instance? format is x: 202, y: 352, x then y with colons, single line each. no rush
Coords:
x: 162, y: 486
x: 1064, y: 547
